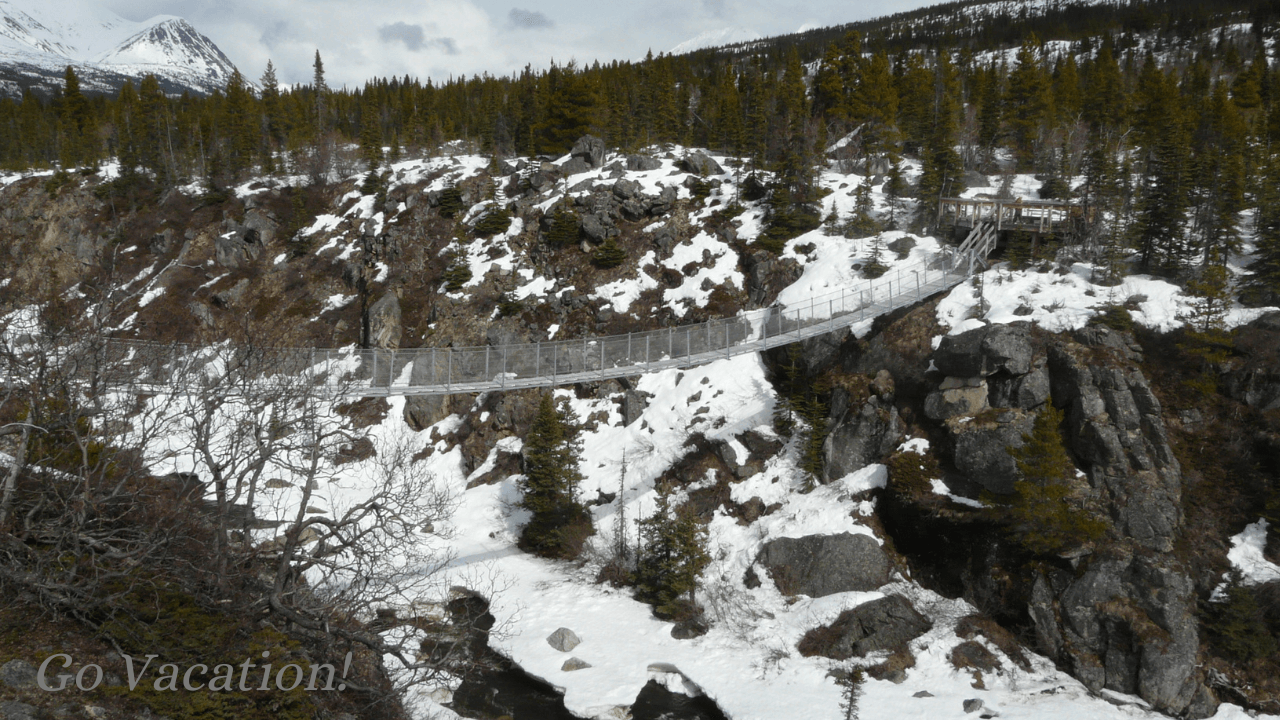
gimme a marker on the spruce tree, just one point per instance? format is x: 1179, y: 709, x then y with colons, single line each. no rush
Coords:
x: 1044, y: 519
x: 608, y: 255
x: 1262, y: 284
x: 549, y: 486
x: 78, y: 127
x: 672, y: 555
x: 565, y: 227
x: 1029, y: 95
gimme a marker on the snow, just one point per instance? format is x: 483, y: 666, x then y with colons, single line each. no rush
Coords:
x: 730, y: 35
x: 1061, y: 302
x: 1246, y: 555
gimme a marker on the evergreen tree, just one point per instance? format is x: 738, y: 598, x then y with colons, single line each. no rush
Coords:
x: 608, y: 255
x: 370, y: 133
x: 78, y: 127
x: 672, y: 555
x: 1236, y: 626
x: 565, y: 227
x: 549, y: 486
x: 1044, y: 519
x: 271, y: 119
x: 941, y: 171
x: 1029, y: 94
x: 1263, y: 281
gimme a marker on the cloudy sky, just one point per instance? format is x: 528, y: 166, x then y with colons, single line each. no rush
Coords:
x: 359, y: 39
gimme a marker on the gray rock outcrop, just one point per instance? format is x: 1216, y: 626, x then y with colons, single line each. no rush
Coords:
x: 885, y: 624
x: 981, y: 447
x: 1114, y: 426
x: 985, y: 351
x: 383, y: 321
x: 643, y: 163
x: 863, y: 433
x: 1126, y: 625
x: 237, y: 246
x: 820, y: 565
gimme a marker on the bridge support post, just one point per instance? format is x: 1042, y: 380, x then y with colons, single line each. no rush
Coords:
x: 601, y: 357
x: 726, y: 340
x: 646, y: 349
x: 555, y: 361
x: 450, y: 367
x: 486, y: 363
x: 374, y: 379
x: 630, y: 360
x: 537, y: 358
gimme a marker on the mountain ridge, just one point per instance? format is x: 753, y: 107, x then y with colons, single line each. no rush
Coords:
x: 37, y: 44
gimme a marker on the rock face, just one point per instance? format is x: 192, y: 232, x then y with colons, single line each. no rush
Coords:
x: 1255, y: 381
x: 957, y: 397
x: 1114, y: 425
x: 1125, y: 620
x: 981, y: 447
x: 985, y: 351
x: 237, y: 246
x: 1124, y: 625
x: 820, y: 565
x: 383, y: 321
x: 863, y: 433
x: 885, y: 624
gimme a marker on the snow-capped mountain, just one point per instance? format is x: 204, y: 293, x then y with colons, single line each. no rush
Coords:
x: 716, y: 38
x: 38, y: 40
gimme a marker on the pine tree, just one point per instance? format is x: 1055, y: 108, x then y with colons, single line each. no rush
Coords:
x: 78, y: 127
x: 1044, y: 519
x: 565, y: 227
x: 1029, y: 94
x: 672, y: 555
x: 1236, y: 626
x: 1263, y: 281
x: 608, y: 255
x: 271, y: 119
x: 370, y: 133
x: 549, y: 486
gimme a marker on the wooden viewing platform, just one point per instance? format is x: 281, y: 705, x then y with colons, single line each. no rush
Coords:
x: 1034, y: 216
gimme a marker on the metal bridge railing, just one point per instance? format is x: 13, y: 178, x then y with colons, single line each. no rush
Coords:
x: 448, y: 370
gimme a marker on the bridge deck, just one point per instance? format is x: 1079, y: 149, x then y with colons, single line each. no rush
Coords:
x: 1039, y: 216
x: 358, y: 372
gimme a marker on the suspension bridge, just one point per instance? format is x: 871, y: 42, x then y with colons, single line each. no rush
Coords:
x: 373, y: 372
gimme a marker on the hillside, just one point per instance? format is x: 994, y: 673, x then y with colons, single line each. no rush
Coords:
x: 1050, y: 491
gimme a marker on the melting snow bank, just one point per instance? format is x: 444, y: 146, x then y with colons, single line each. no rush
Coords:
x: 1246, y: 555
x: 1066, y: 301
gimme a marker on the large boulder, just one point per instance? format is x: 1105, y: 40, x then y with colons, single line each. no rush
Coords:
x: 981, y: 447
x: 986, y: 351
x: 625, y: 189
x: 820, y: 565
x: 574, y: 166
x: 885, y: 624
x: 863, y: 433
x: 383, y: 322
x: 423, y: 411
x: 642, y: 163
x: 701, y: 164
x: 590, y: 149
